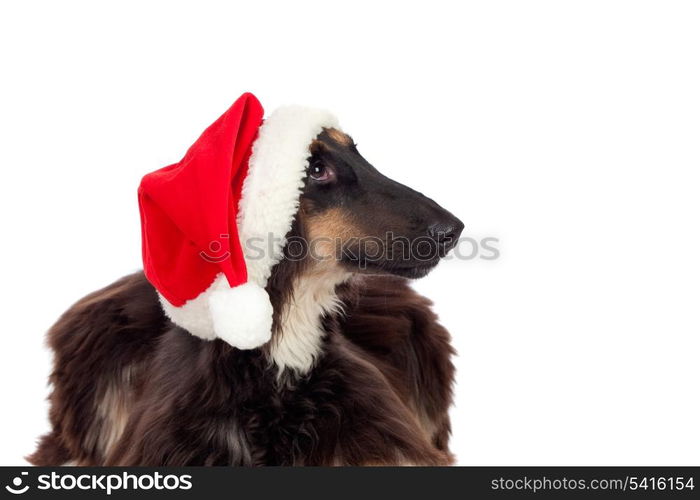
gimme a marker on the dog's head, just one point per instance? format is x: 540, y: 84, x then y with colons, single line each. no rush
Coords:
x: 352, y: 214
x: 351, y: 220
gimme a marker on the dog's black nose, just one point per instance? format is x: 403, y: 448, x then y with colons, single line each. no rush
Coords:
x: 446, y: 234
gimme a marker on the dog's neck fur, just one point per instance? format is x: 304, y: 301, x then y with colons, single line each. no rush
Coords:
x: 298, y: 340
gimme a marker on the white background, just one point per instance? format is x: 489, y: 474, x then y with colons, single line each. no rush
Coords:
x: 568, y: 130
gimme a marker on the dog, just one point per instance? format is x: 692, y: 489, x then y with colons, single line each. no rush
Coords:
x: 358, y: 370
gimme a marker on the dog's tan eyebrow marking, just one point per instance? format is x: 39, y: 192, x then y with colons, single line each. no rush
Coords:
x: 316, y: 146
x: 339, y: 137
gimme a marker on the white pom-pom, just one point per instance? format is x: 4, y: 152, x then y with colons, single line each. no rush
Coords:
x: 242, y: 316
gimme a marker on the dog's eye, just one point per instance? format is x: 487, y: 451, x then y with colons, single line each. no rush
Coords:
x: 320, y: 173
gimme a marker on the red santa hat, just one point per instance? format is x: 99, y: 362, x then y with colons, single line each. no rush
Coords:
x: 214, y: 224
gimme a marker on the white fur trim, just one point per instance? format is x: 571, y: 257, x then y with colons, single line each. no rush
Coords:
x: 194, y: 315
x: 242, y: 316
x: 270, y: 197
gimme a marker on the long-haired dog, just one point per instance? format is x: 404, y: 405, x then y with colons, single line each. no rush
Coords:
x: 357, y: 372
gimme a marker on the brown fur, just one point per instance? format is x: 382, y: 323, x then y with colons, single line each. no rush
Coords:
x: 379, y: 395
x: 339, y: 137
x: 330, y: 231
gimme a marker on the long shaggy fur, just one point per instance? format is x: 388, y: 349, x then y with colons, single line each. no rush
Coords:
x: 130, y: 388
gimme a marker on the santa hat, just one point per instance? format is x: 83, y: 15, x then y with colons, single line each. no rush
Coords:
x: 213, y: 225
